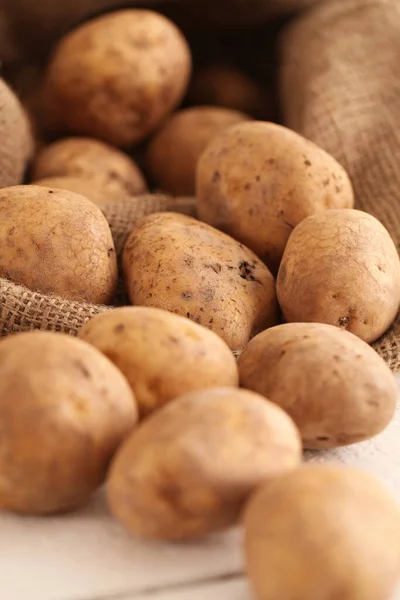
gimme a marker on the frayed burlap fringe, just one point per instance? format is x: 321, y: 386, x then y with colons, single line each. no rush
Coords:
x: 23, y: 310
x: 340, y: 87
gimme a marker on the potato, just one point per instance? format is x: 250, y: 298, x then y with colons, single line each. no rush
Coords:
x: 341, y: 267
x: 64, y: 410
x: 162, y: 355
x: 90, y: 189
x: 189, y: 468
x: 323, y: 532
x: 173, y: 153
x: 335, y: 387
x: 117, y: 77
x: 56, y: 242
x: 174, y: 262
x: 16, y: 138
x: 256, y: 181
x: 222, y: 85
x: 100, y: 164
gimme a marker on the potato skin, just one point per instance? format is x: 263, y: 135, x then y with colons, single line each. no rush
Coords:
x: 98, y: 163
x: 64, y: 410
x: 174, y: 262
x: 256, y: 181
x: 162, y: 355
x: 341, y: 267
x: 335, y: 387
x: 56, y: 242
x: 323, y: 532
x: 91, y: 190
x: 173, y: 153
x: 117, y: 76
x: 188, y: 469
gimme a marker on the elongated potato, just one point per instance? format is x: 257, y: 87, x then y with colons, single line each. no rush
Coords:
x: 64, y: 410
x: 323, y: 532
x: 189, y: 468
x: 256, y: 181
x: 56, y: 242
x: 174, y: 262
x: 341, y: 267
x: 335, y: 387
x: 162, y: 355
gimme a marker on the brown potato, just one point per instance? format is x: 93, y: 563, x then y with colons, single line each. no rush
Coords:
x: 117, y: 76
x: 222, y: 85
x: 173, y: 153
x: 174, y: 262
x: 90, y: 189
x: 335, y: 387
x: 162, y: 355
x: 341, y: 267
x: 189, y: 468
x: 323, y: 532
x: 64, y: 410
x: 56, y: 242
x: 16, y: 138
x: 256, y: 181
x: 98, y: 163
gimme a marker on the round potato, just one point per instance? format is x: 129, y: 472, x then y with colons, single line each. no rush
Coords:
x: 173, y: 153
x: 341, y: 267
x: 98, y: 163
x: 56, y: 242
x: 117, y: 76
x: 335, y: 387
x: 222, y: 85
x: 16, y: 138
x: 256, y: 181
x: 323, y: 532
x: 174, y: 262
x: 162, y: 355
x: 189, y: 468
x: 64, y: 410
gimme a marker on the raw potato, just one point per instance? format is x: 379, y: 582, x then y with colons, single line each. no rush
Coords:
x: 162, y: 355
x: 256, y: 181
x: 91, y: 189
x: 64, y: 411
x: 16, y: 138
x: 173, y: 153
x: 341, y: 267
x: 323, y: 532
x: 56, y: 242
x: 221, y: 85
x: 174, y: 262
x: 92, y: 160
x: 189, y: 468
x: 117, y: 77
x: 335, y: 387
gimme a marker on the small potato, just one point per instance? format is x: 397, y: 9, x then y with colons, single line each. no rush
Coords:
x: 174, y: 262
x: 341, y: 267
x: 173, y: 153
x: 98, y: 163
x: 222, y: 85
x: 64, y: 410
x: 117, y: 76
x: 16, y: 138
x: 335, y: 387
x: 189, y: 468
x: 56, y: 242
x: 256, y: 181
x: 162, y: 355
x: 323, y: 533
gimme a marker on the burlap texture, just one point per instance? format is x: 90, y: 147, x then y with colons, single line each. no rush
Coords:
x: 340, y: 87
x: 23, y: 310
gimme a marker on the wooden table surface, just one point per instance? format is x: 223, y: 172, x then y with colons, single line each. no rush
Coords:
x: 88, y: 556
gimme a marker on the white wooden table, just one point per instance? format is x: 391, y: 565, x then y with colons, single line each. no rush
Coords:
x: 88, y: 556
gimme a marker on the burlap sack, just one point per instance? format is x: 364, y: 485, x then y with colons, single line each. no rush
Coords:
x: 23, y: 310
x: 340, y: 87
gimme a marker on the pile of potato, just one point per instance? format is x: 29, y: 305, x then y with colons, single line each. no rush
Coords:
x: 247, y: 338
